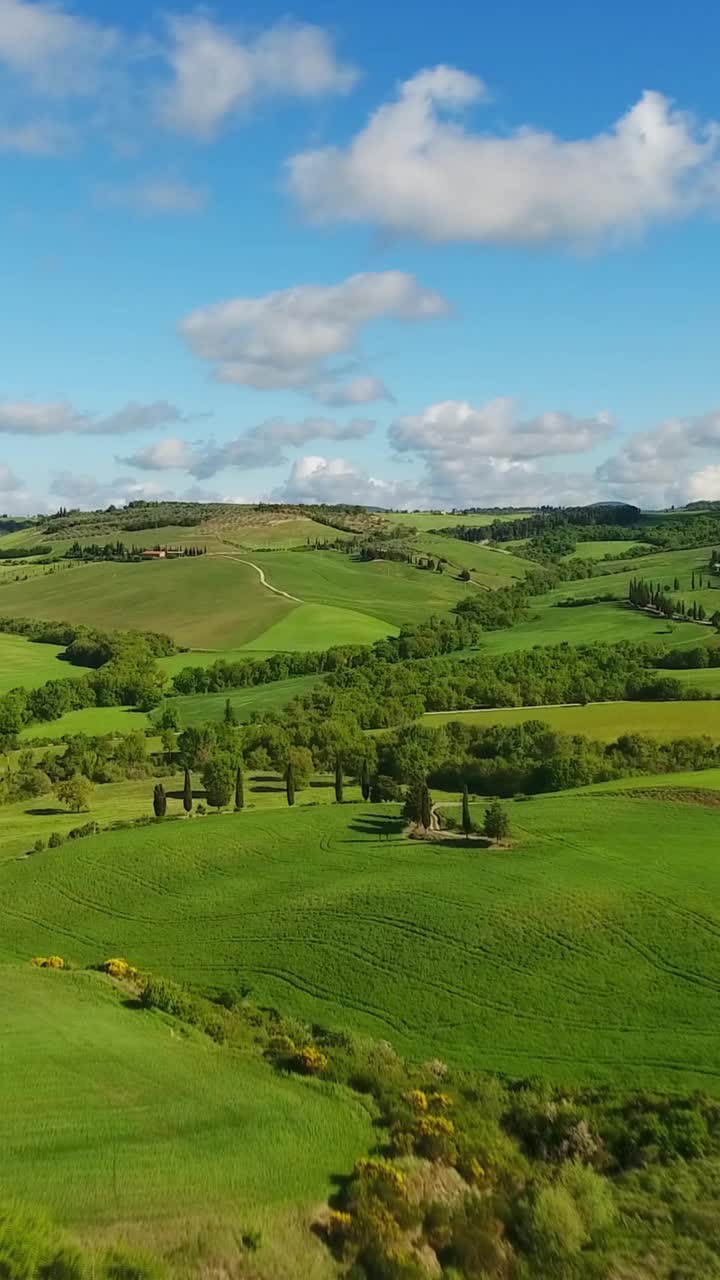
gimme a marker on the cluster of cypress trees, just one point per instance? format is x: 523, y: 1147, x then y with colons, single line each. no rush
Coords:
x: 645, y: 595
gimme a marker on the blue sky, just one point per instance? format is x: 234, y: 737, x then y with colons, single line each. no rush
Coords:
x: 393, y: 254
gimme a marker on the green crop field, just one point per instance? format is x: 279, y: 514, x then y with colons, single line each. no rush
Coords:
x: 94, y: 721
x: 490, y: 567
x: 663, y: 567
x: 607, y: 623
x: 320, y: 626
x: 598, y: 550
x: 24, y: 663
x: 589, y: 950
x: 394, y: 593
x: 603, y: 720
x: 125, y: 1120
x: 706, y: 679
x: 200, y: 708
x: 203, y: 602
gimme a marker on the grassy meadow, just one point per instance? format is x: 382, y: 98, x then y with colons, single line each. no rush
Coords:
x: 200, y: 708
x: 320, y: 626
x: 587, y: 951
x: 606, y: 623
x: 597, y: 550
x: 129, y: 1121
x: 93, y: 721
x: 23, y: 662
x: 603, y: 720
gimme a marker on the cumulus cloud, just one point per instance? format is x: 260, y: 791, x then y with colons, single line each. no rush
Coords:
x: 216, y: 73
x: 27, y: 418
x: 319, y: 479
x: 261, y: 447
x: 289, y: 339
x: 59, y: 53
x: 87, y: 491
x: 415, y: 169
x: 155, y: 197
x: 9, y: 482
x: 663, y: 465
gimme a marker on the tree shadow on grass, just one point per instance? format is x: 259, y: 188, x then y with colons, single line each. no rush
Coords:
x: 46, y: 813
x: 378, y: 824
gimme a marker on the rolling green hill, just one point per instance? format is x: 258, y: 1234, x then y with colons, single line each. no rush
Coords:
x: 589, y: 950
x: 607, y: 623
x: 126, y: 1120
x: 25, y: 663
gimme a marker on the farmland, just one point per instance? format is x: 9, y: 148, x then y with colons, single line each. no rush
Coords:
x: 585, y: 952
x: 607, y: 623
x: 230, y: 1132
x: 603, y: 720
x: 28, y: 664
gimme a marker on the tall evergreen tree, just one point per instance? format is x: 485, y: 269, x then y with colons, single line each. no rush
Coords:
x: 187, y: 793
x: 229, y: 716
x: 239, y: 789
x: 425, y: 807
x: 159, y: 801
x: 338, y: 780
x: 365, y: 780
x: 290, y: 783
x: 676, y: 584
x: 467, y: 823
x: 692, y: 582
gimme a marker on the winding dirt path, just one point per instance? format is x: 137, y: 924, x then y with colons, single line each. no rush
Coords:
x: 264, y: 582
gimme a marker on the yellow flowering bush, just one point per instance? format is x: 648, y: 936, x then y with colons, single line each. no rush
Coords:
x: 311, y: 1061
x: 380, y: 1173
x: 439, y: 1101
x: 48, y: 962
x: 338, y: 1225
x: 119, y: 968
x: 417, y: 1099
x: 434, y: 1126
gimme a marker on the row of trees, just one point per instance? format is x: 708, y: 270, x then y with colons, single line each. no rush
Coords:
x: 119, y: 551
x: 647, y: 595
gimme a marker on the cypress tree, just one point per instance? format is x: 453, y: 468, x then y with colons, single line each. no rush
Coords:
x: 425, y: 807
x: 159, y: 801
x: 338, y: 780
x: 692, y: 581
x: 187, y: 793
x: 239, y: 789
x: 290, y: 783
x: 676, y: 584
x: 229, y: 716
x: 467, y: 825
x: 365, y: 780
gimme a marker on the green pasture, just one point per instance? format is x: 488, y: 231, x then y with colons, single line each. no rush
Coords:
x: 24, y: 663
x: 112, y: 1115
x: 603, y: 720
x: 588, y: 950
x: 200, y: 602
x: 707, y: 679
x: 274, y: 531
x: 200, y: 708
x: 607, y: 623
x: 662, y: 567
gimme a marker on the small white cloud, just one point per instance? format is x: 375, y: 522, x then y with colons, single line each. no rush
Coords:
x: 290, y: 338
x: 28, y: 418
x: 260, y: 447
x: 413, y: 171
x: 60, y: 53
x: 154, y: 197
x: 216, y: 73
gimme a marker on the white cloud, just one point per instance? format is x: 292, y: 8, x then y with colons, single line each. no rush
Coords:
x: 9, y: 482
x: 319, y: 479
x: 216, y: 73
x: 704, y: 485
x: 85, y: 490
x: 26, y: 418
x: 35, y: 138
x: 454, y: 428
x: 261, y: 447
x: 155, y: 197
x: 361, y: 390
x: 59, y: 53
x: 412, y: 170
x: 289, y: 339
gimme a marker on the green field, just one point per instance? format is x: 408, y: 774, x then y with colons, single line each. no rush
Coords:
x: 663, y: 568
x: 603, y: 720
x: 705, y: 678
x: 127, y: 1121
x: 491, y: 568
x: 601, y: 623
x: 23, y: 662
x: 423, y: 520
x: 393, y: 593
x: 588, y: 950
x: 199, y: 602
x: 320, y: 626
x: 199, y: 708
x: 598, y: 550
x: 94, y: 721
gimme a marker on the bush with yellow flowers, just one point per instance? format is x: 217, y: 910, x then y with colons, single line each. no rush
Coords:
x: 120, y: 968
x: 310, y: 1061
x: 417, y: 1099
x: 48, y: 962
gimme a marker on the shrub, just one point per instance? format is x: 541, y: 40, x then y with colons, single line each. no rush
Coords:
x: 558, y: 1230
x: 124, y: 1264
x: 592, y: 1196
x: 39, y: 845
x: 47, y: 962
x: 56, y: 840
x: 310, y: 1061
x: 119, y: 968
